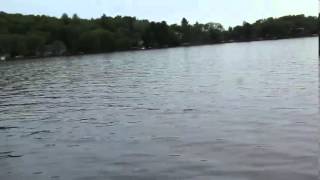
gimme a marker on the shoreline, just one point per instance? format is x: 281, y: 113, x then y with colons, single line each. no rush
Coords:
x: 148, y: 49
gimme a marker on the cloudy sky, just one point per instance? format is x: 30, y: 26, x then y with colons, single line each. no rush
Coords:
x: 227, y: 12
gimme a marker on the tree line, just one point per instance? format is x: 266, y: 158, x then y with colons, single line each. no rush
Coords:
x: 39, y: 35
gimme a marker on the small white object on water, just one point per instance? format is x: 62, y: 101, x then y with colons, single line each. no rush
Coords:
x: 2, y: 58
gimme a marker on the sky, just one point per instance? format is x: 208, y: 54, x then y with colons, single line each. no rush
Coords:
x: 226, y: 12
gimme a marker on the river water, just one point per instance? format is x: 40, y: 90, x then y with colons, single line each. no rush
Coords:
x: 239, y: 111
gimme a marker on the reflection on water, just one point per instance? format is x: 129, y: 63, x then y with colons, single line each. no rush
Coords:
x: 243, y: 111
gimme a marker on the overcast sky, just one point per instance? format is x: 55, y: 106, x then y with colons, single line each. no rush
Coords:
x: 226, y: 12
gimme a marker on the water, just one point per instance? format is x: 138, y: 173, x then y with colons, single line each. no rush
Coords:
x: 240, y: 111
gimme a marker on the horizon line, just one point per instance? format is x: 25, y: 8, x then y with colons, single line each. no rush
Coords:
x: 142, y: 19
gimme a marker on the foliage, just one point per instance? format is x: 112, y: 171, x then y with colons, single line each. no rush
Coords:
x: 30, y: 35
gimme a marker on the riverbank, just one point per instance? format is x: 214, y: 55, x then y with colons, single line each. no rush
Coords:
x: 146, y: 49
x: 44, y: 36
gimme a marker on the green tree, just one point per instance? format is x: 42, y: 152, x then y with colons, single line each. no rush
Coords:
x: 28, y: 34
x: 65, y: 18
x: 34, y: 43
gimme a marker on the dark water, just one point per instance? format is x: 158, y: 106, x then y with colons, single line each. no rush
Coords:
x: 242, y: 111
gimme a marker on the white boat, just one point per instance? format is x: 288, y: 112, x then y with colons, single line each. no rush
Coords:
x: 2, y: 58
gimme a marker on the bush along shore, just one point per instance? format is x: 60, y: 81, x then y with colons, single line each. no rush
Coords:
x: 34, y: 36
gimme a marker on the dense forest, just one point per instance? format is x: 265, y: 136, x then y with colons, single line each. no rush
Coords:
x: 37, y: 36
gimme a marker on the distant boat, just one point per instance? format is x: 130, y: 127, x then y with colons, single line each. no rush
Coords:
x: 186, y: 44
x: 3, y: 58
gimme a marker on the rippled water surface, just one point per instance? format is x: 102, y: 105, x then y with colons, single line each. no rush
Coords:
x: 241, y: 111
